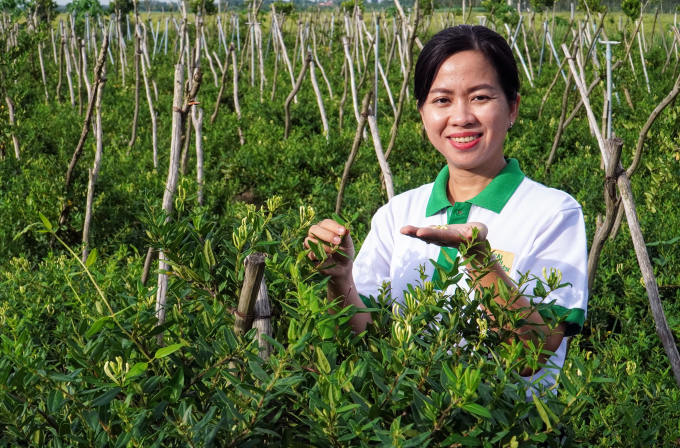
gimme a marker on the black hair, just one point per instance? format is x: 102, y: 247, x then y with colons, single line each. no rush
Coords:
x: 466, y: 38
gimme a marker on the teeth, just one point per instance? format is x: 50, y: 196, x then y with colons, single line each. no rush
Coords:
x: 465, y: 139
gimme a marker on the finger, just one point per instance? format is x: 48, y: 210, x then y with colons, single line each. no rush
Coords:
x: 333, y: 226
x: 409, y: 230
x: 324, y: 234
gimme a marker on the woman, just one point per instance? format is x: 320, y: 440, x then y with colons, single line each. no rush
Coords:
x: 466, y: 87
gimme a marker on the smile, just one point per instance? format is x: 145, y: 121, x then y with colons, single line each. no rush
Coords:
x: 466, y: 139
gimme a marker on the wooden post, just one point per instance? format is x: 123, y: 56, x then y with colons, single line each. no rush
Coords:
x: 94, y: 172
x: 263, y: 320
x: 614, y: 146
x: 295, y: 90
x: 224, y: 78
x: 662, y: 328
x: 355, y: 149
x: 560, y: 126
x: 254, y: 270
x: 171, y: 184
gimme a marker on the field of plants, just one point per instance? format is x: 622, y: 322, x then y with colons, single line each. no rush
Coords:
x: 148, y: 158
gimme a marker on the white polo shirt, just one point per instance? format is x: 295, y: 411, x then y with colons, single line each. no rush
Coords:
x: 531, y: 227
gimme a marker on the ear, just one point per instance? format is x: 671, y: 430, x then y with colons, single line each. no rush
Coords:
x: 514, y: 109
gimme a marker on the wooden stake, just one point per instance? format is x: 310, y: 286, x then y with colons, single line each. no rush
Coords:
x: 94, y: 171
x: 254, y: 271
x: 295, y: 90
x: 355, y: 149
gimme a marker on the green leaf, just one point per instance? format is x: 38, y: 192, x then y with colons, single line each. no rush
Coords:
x: 92, y: 258
x: 347, y: 408
x: 137, y: 370
x: 58, y: 377
x: 106, y: 397
x: 322, y: 362
x: 477, y: 410
x: 208, y: 252
x: 177, y: 384
x: 46, y: 222
x: 541, y: 411
x: 97, y: 325
x: 170, y: 349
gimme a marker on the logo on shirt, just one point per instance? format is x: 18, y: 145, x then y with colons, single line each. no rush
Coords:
x: 506, y: 259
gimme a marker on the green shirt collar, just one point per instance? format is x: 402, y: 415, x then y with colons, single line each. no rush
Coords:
x: 493, y: 197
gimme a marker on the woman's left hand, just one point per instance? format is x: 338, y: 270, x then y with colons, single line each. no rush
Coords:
x: 450, y: 235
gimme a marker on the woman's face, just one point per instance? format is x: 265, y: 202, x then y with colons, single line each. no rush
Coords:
x: 466, y: 112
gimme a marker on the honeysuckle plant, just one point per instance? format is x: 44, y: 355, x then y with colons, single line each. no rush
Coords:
x: 432, y: 370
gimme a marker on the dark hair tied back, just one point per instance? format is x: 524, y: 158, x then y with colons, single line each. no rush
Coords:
x: 466, y: 38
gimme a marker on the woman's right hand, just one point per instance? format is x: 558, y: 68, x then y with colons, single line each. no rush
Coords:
x: 330, y: 233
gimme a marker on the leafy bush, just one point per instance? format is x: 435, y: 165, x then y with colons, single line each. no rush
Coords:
x: 631, y: 8
x: 593, y: 6
x: 286, y: 8
x: 350, y: 5
x: 499, y: 12
x: 206, y: 7
x: 86, y: 370
x: 541, y: 5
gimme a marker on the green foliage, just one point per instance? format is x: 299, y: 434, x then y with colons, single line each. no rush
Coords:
x: 86, y: 355
x: 46, y: 295
x: 592, y: 6
x: 92, y: 7
x: 541, y: 5
x: 427, y: 7
x: 286, y: 8
x: 350, y: 5
x: 206, y: 7
x: 124, y: 6
x: 631, y: 8
x: 498, y: 12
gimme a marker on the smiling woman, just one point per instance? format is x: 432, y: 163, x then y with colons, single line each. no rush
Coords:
x: 466, y: 87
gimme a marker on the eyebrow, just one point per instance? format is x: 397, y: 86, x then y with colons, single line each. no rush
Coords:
x: 472, y: 89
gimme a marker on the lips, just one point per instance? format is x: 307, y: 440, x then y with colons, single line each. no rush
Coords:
x: 464, y: 140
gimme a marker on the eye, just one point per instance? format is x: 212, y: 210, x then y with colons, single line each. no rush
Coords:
x: 480, y: 98
x: 440, y: 100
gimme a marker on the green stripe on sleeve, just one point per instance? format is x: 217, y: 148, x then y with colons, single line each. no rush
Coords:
x: 575, y: 318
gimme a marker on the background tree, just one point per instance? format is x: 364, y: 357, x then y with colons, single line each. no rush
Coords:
x: 631, y: 8
x: 541, y: 5
x: 205, y: 7
x: 590, y: 5
x: 124, y: 6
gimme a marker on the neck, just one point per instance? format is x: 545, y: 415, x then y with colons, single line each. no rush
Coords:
x: 466, y: 184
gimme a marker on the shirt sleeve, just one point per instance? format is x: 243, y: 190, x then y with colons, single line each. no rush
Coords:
x: 372, y: 265
x: 561, y: 244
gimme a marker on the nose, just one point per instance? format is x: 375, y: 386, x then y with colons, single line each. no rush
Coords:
x: 461, y: 114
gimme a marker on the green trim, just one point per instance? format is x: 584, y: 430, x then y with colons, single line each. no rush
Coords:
x: 575, y: 318
x: 493, y: 197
